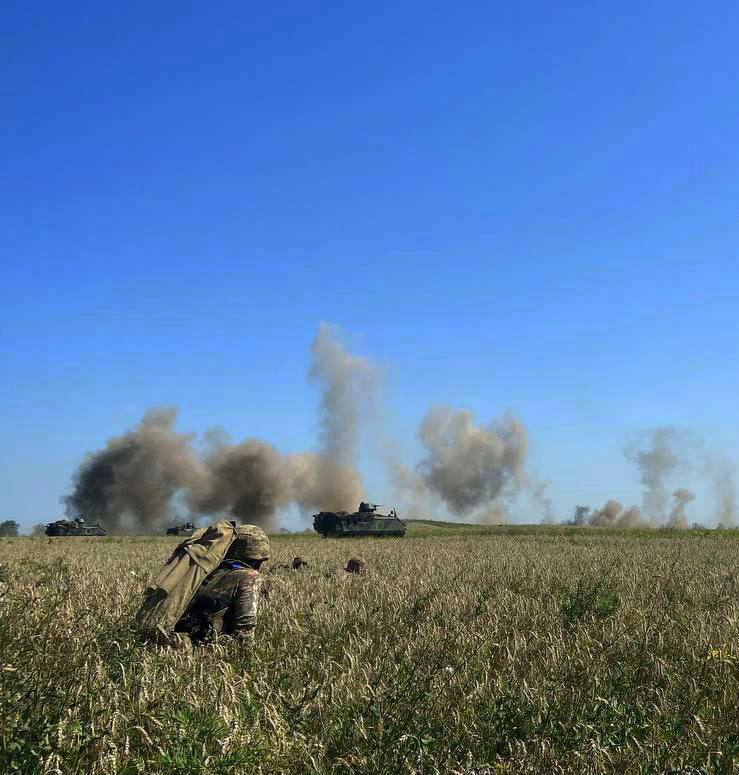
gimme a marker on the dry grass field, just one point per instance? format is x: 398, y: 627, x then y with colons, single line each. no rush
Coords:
x: 501, y: 650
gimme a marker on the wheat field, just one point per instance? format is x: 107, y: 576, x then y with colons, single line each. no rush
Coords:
x: 491, y: 651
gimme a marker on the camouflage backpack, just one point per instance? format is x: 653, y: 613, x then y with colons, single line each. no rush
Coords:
x: 170, y: 592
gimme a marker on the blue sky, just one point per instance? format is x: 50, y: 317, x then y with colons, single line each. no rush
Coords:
x: 525, y: 207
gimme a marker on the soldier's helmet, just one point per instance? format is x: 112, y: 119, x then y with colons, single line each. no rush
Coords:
x: 299, y: 563
x: 356, y: 565
x: 251, y: 543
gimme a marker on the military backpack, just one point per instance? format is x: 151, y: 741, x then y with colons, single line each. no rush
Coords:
x: 172, y: 589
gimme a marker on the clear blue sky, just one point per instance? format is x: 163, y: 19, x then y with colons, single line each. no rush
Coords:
x: 524, y: 206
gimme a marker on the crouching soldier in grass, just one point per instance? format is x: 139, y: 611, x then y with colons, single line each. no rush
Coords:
x: 357, y: 565
x: 226, y: 602
x: 298, y: 563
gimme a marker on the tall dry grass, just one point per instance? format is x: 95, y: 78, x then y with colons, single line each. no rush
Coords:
x: 503, y: 652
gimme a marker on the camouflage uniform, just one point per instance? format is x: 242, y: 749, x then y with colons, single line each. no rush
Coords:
x: 226, y: 604
x: 227, y: 601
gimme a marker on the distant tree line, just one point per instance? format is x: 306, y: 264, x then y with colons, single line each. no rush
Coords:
x: 9, y: 528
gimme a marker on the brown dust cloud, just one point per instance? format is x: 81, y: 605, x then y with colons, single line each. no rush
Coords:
x: 154, y: 475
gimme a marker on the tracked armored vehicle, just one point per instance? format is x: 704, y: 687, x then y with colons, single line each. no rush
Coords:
x: 185, y: 530
x: 363, y: 522
x: 73, y: 527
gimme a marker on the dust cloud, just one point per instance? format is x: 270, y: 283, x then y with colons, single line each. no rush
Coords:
x: 677, y: 516
x: 613, y: 514
x: 153, y: 474
x: 472, y: 469
x: 131, y: 482
x: 138, y: 481
x: 721, y: 475
x: 655, y: 462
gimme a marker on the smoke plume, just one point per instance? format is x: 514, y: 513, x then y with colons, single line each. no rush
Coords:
x: 582, y: 514
x: 607, y: 516
x: 495, y: 514
x: 319, y: 482
x: 542, y: 499
x: 137, y: 480
x: 153, y: 474
x: 348, y: 384
x: 655, y: 463
x: 136, y: 475
x: 721, y: 474
x: 632, y: 517
x: 612, y: 514
x: 677, y: 516
x: 470, y: 467
x: 249, y: 481
x: 668, y: 449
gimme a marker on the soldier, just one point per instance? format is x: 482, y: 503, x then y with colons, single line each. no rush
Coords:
x: 300, y: 563
x: 357, y: 565
x: 226, y: 602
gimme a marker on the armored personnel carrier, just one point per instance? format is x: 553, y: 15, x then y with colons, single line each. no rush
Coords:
x: 363, y: 522
x: 185, y: 530
x: 73, y: 527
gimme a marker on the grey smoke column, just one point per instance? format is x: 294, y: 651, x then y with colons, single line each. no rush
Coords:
x: 581, y: 515
x: 677, y: 516
x: 329, y: 479
x: 253, y: 481
x: 348, y: 384
x: 248, y: 481
x: 655, y: 463
x: 467, y: 465
x: 319, y: 483
x: 495, y: 514
x: 607, y: 516
x: 539, y: 493
x: 131, y: 482
x: 724, y: 487
x: 632, y: 517
x: 614, y: 515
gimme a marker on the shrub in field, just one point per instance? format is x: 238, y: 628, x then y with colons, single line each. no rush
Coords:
x: 593, y: 598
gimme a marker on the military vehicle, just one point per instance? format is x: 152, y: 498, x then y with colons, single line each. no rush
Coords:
x: 182, y: 530
x: 363, y: 522
x: 73, y: 527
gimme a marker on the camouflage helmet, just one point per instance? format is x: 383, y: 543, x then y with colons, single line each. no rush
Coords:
x: 251, y: 543
x: 356, y: 565
x: 299, y: 562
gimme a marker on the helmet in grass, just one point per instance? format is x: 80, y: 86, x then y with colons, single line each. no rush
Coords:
x: 299, y: 563
x: 357, y: 565
x: 251, y: 543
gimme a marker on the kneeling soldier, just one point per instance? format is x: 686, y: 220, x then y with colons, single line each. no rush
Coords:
x: 227, y: 601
